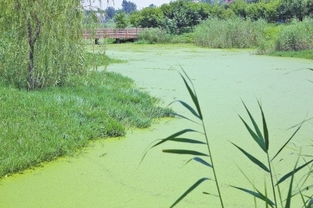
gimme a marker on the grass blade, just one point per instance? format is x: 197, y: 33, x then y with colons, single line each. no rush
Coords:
x: 283, y: 147
x: 184, y: 152
x: 253, y: 159
x: 257, y: 194
x: 195, y: 185
x: 282, y: 179
x: 265, y: 129
x: 175, y: 135
x: 193, y: 97
x: 256, y: 138
x: 200, y: 160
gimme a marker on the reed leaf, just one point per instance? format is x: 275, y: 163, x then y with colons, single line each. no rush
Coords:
x: 193, y: 97
x: 282, y: 179
x: 289, y: 196
x: 199, y: 160
x: 188, y: 107
x: 175, y: 135
x: 253, y: 159
x: 256, y: 127
x: 256, y: 138
x: 257, y: 194
x: 283, y: 147
x: 184, y: 117
x: 265, y: 129
x: 186, y: 140
x: 195, y: 185
x: 184, y: 152
x: 309, y: 203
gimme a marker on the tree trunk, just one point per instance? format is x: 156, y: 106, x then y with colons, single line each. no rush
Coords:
x: 32, y: 39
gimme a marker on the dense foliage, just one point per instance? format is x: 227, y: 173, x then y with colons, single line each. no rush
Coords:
x: 40, y: 42
x: 230, y: 33
x: 128, y: 7
x: 183, y: 15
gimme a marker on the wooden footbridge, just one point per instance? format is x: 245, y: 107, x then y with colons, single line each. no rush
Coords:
x: 125, y: 34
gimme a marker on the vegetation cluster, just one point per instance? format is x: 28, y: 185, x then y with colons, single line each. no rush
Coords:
x: 52, y: 100
x: 43, y: 124
x: 267, y: 25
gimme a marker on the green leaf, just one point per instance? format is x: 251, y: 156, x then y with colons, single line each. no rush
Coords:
x: 289, y: 196
x: 193, y: 97
x: 309, y: 203
x: 282, y: 179
x: 256, y: 138
x: 184, y: 117
x: 265, y: 129
x: 257, y: 130
x: 186, y: 105
x: 253, y: 159
x: 199, y: 160
x: 187, y: 140
x: 184, y: 131
x: 283, y: 147
x: 195, y: 185
x: 257, y: 194
x: 184, y: 152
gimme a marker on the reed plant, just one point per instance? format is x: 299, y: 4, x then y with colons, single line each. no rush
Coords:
x: 271, y: 198
x: 229, y: 33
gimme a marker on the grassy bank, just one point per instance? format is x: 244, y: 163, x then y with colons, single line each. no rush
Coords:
x: 41, y: 125
x: 306, y: 54
x: 266, y: 38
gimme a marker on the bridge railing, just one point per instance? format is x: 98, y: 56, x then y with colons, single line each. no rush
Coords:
x: 128, y: 33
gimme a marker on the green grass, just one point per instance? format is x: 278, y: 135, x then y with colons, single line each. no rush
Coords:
x: 41, y: 125
x: 306, y: 54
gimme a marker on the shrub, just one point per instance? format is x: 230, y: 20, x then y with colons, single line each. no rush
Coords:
x: 296, y: 36
x: 154, y: 35
x: 230, y: 33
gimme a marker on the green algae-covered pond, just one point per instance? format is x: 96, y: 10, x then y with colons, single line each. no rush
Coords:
x: 107, y: 173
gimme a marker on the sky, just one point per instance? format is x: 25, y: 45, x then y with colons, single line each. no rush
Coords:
x: 140, y: 3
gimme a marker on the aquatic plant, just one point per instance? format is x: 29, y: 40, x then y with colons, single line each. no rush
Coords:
x: 263, y: 141
x: 262, y: 138
x: 203, y: 158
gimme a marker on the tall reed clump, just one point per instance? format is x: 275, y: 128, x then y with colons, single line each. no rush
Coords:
x: 204, y: 158
x: 273, y: 198
x: 154, y: 35
x: 262, y: 138
x: 229, y: 33
x: 296, y: 36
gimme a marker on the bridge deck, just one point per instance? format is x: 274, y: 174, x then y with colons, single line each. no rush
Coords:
x: 128, y: 33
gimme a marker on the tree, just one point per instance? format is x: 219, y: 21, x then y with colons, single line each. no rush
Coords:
x: 40, y: 46
x: 121, y: 20
x: 128, y: 7
x: 110, y: 13
x: 148, y: 17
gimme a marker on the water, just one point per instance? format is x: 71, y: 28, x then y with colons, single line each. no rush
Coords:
x: 107, y: 173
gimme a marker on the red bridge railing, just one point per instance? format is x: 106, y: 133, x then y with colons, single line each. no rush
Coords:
x: 128, y: 33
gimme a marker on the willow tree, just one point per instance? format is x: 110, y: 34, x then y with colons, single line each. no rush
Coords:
x: 40, y: 42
